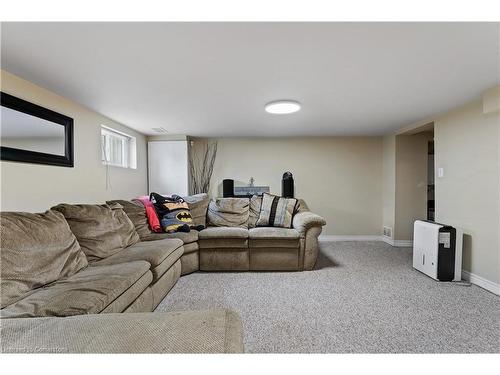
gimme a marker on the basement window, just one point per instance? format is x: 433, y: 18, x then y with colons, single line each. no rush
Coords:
x: 118, y: 149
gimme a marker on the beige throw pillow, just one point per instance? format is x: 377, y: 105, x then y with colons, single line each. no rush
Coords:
x: 276, y: 211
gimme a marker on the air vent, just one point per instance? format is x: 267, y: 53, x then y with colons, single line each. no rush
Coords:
x: 388, y: 232
x: 159, y: 130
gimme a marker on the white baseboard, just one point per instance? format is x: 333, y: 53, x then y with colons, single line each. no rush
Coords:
x: 481, y: 282
x: 390, y: 241
x: 327, y: 237
x: 397, y: 243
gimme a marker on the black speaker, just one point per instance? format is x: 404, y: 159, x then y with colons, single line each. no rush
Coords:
x: 227, y: 188
x: 287, y: 185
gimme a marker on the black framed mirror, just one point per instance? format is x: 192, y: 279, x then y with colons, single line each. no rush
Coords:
x: 34, y: 134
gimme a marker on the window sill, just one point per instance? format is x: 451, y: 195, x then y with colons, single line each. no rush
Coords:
x: 117, y: 166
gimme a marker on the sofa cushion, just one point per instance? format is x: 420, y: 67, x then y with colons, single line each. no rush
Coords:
x: 136, y: 212
x: 223, y: 243
x: 223, y: 238
x: 276, y: 211
x: 186, y: 237
x: 274, y: 237
x: 198, y: 205
x: 200, y: 331
x: 101, y: 230
x: 129, y: 296
x: 89, y: 291
x: 159, y: 254
x: 223, y: 232
x: 228, y: 212
x: 273, y: 233
x: 36, y: 249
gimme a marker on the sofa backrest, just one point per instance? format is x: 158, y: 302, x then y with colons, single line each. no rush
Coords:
x: 136, y: 212
x: 198, y: 206
x: 102, y: 230
x: 228, y: 212
x: 237, y: 212
x: 36, y: 249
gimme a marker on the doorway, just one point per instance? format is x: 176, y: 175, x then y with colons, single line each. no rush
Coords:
x: 415, y: 198
x: 430, y: 181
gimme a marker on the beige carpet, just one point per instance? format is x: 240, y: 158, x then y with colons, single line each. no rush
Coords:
x: 363, y: 297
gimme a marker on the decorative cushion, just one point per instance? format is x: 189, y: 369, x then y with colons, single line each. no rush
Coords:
x: 228, y: 212
x: 101, y: 230
x: 136, y: 212
x: 37, y: 249
x: 254, y: 212
x: 276, y: 211
x: 173, y: 212
x: 198, y: 205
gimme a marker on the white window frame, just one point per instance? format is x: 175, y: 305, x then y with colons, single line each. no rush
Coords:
x: 128, y: 148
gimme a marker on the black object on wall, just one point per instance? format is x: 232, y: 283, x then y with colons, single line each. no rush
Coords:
x: 26, y: 156
x: 287, y: 185
x: 228, y: 188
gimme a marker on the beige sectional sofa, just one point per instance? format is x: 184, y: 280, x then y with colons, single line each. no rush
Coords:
x: 61, y: 267
x: 232, y: 242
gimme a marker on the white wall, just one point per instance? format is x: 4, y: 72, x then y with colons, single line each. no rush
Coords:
x: 32, y: 187
x: 339, y: 178
x: 467, y: 144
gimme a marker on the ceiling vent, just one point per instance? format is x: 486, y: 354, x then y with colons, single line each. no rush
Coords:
x: 159, y: 130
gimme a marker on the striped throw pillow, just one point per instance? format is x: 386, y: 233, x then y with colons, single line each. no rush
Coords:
x: 276, y: 211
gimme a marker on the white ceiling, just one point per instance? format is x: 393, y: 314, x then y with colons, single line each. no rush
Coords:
x: 213, y: 79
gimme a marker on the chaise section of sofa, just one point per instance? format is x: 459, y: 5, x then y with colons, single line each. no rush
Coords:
x: 163, y: 257
x: 206, y: 331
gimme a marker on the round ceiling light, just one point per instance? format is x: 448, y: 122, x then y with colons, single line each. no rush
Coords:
x: 282, y: 107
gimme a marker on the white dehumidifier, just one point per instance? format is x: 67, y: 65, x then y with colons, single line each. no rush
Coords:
x: 437, y: 250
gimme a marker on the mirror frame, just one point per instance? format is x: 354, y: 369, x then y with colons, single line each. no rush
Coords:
x: 25, y: 156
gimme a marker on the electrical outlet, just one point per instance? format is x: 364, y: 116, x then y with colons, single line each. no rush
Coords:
x: 388, y: 232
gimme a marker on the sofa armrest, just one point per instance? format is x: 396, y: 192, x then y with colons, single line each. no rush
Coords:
x: 200, y: 331
x: 304, y: 220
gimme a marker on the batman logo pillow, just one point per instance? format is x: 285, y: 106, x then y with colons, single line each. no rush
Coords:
x: 184, y: 216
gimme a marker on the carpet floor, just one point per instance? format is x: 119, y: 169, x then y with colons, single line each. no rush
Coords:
x: 363, y: 297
